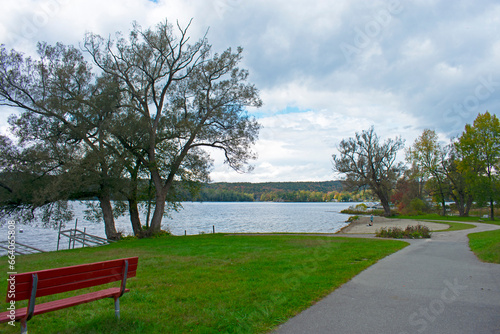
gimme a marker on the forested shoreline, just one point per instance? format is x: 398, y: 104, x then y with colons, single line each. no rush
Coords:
x: 324, y: 191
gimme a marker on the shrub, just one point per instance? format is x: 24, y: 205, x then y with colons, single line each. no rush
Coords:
x: 417, y: 206
x: 352, y: 218
x: 361, y: 207
x: 162, y: 234
x: 411, y: 232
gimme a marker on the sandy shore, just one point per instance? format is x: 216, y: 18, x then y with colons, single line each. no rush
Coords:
x: 360, y: 226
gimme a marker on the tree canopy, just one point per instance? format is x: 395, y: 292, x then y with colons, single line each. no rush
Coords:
x: 146, y: 106
x: 479, y: 148
x: 427, y: 155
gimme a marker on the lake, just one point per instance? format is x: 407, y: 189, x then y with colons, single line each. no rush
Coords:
x: 196, y: 218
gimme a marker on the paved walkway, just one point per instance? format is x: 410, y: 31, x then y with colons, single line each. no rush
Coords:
x: 435, y: 285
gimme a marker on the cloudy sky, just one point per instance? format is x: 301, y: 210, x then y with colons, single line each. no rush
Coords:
x: 325, y: 69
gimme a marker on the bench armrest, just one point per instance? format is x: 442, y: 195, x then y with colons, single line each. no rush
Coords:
x: 124, y: 279
x: 32, y: 300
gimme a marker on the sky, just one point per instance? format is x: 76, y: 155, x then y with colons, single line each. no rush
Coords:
x: 324, y: 69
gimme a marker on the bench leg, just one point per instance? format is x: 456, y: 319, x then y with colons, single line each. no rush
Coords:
x: 117, y: 308
x: 24, y: 326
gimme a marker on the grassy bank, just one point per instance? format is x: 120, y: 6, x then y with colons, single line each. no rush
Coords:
x: 486, y: 245
x: 435, y: 216
x: 453, y: 226
x: 208, y: 283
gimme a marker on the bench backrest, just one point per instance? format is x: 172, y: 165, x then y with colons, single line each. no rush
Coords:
x: 58, y: 280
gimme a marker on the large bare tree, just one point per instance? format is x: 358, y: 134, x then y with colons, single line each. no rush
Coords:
x: 366, y: 162
x: 184, y: 98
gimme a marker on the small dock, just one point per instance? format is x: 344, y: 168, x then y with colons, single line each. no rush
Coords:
x: 20, y: 249
x: 76, y: 236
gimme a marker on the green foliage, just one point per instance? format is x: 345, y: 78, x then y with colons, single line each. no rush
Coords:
x: 145, y: 107
x: 268, y: 191
x: 417, y: 206
x: 479, y: 147
x: 193, y: 98
x: 410, y: 232
x: 293, y: 196
x: 219, y: 195
x: 66, y: 114
x: 426, y: 157
x: 161, y: 234
x: 376, y: 212
x: 352, y: 218
x: 408, y: 191
x: 426, y: 153
x: 258, y: 189
x: 361, y: 207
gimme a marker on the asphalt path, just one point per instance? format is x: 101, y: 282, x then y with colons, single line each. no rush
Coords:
x: 434, y: 285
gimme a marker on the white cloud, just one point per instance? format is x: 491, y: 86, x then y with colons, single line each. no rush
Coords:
x: 424, y: 65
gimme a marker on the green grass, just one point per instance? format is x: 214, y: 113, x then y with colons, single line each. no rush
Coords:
x: 453, y: 226
x: 435, y: 216
x: 208, y: 283
x: 486, y: 245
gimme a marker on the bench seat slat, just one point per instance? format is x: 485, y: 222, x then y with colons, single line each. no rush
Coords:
x: 76, y: 285
x: 63, y: 303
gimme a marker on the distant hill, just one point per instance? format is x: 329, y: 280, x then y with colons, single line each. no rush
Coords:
x: 257, y: 189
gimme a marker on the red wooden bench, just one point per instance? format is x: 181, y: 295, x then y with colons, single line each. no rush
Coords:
x: 29, y: 286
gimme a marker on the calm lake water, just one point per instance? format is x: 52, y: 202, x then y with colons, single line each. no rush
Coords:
x: 196, y: 218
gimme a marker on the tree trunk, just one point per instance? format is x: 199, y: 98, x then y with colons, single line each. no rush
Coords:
x: 109, y: 220
x: 133, y: 206
x: 155, y: 226
x: 134, y: 217
x: 387, y: 208
x: 462, y: 202
x: 441, y: 192
x: 384, y: 200
x: 468, y: 205
x: 492, y: 209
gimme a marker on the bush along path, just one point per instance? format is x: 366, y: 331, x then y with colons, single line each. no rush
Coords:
x: 410, y: 232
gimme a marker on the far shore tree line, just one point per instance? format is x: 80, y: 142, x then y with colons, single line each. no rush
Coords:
x: 209, y: 194
x: 133, y: 118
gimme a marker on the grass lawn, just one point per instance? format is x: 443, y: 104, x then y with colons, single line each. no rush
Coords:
x: 208, y: 283
x: 453, y: 226
x: 486, y: 245
x: 435, y: 216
